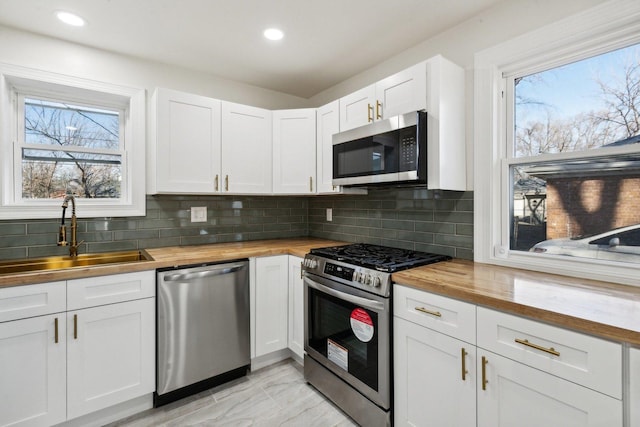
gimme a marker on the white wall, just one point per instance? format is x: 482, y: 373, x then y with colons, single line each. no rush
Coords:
x: 34, y: 51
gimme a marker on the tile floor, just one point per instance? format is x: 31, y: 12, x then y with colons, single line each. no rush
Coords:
x: 276, y: 395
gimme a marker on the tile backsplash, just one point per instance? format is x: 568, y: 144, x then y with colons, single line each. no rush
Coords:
x: 433, y: 221
x: 410, y: 218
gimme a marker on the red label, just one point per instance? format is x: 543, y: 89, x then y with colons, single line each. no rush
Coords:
x: 362, y: 325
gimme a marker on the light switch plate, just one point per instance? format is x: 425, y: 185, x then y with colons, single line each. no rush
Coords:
x: 329, y: 214
x: 199, y: 214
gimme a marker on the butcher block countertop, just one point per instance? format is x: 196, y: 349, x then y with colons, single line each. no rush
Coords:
x: 599, y: 308
x: 176, y: 256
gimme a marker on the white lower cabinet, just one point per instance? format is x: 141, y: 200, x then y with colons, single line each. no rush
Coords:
x: 434, y: 378
x: 33, y: 376
x: 271, y: 304
x: 61, y: 365
x: 513, y: 394
x: 634, y: 387
x: 110, y: 350
x: 296, y: 307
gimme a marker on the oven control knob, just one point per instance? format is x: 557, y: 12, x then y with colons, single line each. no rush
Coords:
x: 313, y: 263
x: 367, y: 279
x: 363, y: 278
x: 356, y: 276
x: 376, y: 282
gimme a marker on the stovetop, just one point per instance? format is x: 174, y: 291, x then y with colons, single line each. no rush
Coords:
x: 380, y: 258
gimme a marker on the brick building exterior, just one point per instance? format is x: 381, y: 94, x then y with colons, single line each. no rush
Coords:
x: 578, y: 205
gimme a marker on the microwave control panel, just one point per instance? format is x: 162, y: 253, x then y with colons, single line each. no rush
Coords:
x: 408, y: 149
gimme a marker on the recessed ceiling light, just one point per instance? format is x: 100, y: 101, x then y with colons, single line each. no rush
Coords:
x: 70, y: 19
x: 273, y: 34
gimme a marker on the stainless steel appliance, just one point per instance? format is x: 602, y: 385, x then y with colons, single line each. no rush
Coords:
x: 202, y: 328
x: 348, y: 317
x: 389, y: 151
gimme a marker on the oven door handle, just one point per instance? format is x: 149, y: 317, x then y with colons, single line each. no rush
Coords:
x: 362, y: 302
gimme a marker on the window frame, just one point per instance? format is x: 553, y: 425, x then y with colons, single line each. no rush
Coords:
x: 598, y: 30
x: 16, y: 83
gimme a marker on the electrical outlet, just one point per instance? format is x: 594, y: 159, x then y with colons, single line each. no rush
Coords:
x: 329, y: 214
x: 199, y: 214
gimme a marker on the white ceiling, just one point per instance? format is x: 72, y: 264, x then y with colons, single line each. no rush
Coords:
x: 326, y: 41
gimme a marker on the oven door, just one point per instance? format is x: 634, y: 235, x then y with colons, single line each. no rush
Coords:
x: 348, y: 331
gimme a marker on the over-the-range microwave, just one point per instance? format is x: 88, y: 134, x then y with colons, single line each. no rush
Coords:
x: 390, y: 151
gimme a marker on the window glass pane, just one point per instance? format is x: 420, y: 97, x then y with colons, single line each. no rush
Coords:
x: 62, y: 124
x: 61, y: 169
x: 574, y: 208
x: 580, y: 106
x: 48, y: 174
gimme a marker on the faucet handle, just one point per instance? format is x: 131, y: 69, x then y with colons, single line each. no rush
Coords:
x: 62, y: 236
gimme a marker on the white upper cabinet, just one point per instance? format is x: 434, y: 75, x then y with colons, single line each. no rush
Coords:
x: 246, y: 149
x: 185, y: 157
x: 446, y: 146
x: 358, y: 108
x: 294, y: 151
x: 397, y: 94
x: 401, y: 93
x: 328, y: 123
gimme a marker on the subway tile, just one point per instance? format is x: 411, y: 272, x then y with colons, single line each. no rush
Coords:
x: 454, y: 241
x: 436, y: 227
x: 15, y: 252
x: 464, y: 229
x: 137, y: 234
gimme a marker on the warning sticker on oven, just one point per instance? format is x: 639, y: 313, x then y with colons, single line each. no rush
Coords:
x: 362, y: 325
x: 338, y: 354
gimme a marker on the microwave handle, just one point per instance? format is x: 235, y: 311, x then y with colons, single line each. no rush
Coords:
x: 362, y: 302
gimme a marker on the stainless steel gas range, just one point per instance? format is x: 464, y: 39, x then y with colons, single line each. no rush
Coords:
x: 348, y: 327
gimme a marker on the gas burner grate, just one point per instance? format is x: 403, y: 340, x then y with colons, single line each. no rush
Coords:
x: 381, y: 258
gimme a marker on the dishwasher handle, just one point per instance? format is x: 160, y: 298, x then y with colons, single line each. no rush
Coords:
x: 213, y: 271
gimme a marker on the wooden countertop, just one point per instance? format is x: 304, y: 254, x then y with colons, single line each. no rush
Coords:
x: 599, y: 308
x: 176, y: 256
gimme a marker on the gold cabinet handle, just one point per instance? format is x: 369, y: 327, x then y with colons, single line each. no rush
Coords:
x: 369, y: 113
x: 463, y: 355
x: 226, y: 183
x: 55, y: 330
x: 424, y: 310
x: 378, y: 110
x: 549, y: 350
x: 485, y: 362
x: 75, y: 326
x: 216, y: 182
x: 311, y: 184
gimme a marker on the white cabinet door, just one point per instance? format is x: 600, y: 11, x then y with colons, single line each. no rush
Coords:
x: 246, y: 149
x: 186, y: 155
x: 294, y: 151
x: 428, y: 378
x: 328, y: 123
x: 33, y: 371
x: 402, y: 92
x: 111, y: 355
x: 358, y: 108
x: 446, y: 149
x: 271, y: 304
x: 634, y: 387
x: 517, y: 395
x: 296, y: 307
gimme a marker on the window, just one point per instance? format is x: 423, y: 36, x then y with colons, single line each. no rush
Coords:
x: 70, y: 136
x: 557, y: 171
x: 582, y: 109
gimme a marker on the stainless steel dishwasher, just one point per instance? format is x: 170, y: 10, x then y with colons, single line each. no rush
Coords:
x: 202, y: 328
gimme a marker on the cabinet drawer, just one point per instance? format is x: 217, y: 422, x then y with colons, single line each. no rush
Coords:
x: 19, y: 302
x: 94, y: 291
x: 583, y: 359
x: 451, y: 317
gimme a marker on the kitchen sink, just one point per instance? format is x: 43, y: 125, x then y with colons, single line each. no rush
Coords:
x: 28, y: 265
